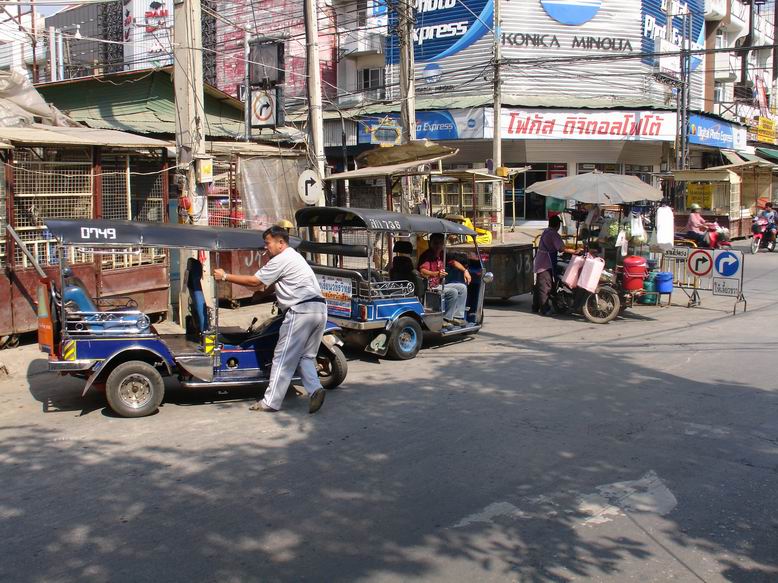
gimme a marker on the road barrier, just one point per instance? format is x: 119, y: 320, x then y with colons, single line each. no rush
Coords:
x: 719, y: 271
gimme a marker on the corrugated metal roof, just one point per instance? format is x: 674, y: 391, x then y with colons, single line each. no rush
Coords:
x: 251, y: 149
x: 42, y: 134
x: 468, y: 101
x: 388, y: 170
x: 142, y: 103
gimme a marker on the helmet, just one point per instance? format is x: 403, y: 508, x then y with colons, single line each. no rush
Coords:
x: 694, y: 207
x: 284, y: 224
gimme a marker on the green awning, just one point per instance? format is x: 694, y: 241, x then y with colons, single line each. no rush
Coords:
x: 768, y: 153
x: 140, y: 102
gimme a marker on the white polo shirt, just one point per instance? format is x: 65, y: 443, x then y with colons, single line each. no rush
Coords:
x: 295, y: 281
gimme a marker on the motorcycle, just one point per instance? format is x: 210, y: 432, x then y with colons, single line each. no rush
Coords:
x: 598, y: 307
x: 717, y: 237
x: 763, y: 235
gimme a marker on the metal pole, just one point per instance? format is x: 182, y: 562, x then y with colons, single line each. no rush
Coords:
x: 246, y: 90
x: 346, y: 193
x: 35, y: 73
x: 314, y: 85
x: 61, y: 53
x: 52, y: 55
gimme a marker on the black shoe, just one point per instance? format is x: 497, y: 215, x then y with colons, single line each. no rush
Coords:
x: 261, y: 406
x: 316, y: 400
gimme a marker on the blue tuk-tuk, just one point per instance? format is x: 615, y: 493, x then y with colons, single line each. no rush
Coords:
x: 374, y: 290
x: 118, y: 349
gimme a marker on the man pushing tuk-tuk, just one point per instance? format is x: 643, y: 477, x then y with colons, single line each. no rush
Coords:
x: 305, y: 315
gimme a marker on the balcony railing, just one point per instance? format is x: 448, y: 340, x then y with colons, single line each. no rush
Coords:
x: 360, y: 42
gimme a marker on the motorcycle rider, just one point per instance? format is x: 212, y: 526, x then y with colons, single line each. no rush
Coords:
x: 696, y: 226
x: 770, y: 216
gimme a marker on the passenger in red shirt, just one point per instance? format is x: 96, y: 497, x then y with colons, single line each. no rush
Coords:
x: 454, y: 294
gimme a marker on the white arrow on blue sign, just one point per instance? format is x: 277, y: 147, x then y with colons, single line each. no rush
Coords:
x: 727, y: 263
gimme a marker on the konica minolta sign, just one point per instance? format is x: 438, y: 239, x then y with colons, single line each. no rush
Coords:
x: 443, y: 28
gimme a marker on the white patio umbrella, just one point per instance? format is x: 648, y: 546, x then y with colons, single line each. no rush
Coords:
x: 598, y: 188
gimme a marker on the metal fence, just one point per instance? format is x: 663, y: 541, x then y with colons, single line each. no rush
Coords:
x: 225, y: 208
x: 132, y: 191
x: 50, y: 183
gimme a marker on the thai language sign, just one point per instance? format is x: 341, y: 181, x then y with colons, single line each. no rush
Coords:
x: 337, y: 292
x: 529, y: 124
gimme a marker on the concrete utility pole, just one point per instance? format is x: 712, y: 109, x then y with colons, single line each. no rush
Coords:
x: 497, y: 105
x: 497, y: 91
x: 407, y: 74
x: 316, y: 125
x: 190, y: 117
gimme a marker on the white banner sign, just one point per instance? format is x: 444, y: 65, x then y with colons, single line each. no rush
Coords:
x: 577, y: 124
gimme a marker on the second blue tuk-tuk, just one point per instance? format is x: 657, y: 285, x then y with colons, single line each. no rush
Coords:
x: 368, y: 271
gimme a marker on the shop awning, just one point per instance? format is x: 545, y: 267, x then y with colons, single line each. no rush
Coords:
x: 719, y: 174
x: 404, y: 168
x: 70, y: 136
x: 469, y: 176
x: 760, y: 161
x: 769, y: 153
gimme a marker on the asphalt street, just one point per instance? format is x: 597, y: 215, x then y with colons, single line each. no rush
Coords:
x: 543, y: 449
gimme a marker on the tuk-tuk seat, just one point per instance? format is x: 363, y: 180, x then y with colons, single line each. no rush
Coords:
x: 90, y: 316
x: 402, y: 268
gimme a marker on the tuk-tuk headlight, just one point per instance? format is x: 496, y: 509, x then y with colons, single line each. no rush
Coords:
x: 488, y: 277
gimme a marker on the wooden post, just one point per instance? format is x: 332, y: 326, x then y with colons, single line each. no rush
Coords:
x: 165, y: 187
x: 97, y: 210
x: 10, y: 246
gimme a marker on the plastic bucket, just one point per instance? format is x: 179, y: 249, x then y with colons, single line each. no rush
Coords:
x: 664, y: 282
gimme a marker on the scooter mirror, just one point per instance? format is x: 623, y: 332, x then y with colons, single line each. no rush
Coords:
x: 488, y: 277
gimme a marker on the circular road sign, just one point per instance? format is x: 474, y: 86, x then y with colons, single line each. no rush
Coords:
x: 727, y: 264
x: 309, y: 187
x: 263, y: 107
x: 700, y: 262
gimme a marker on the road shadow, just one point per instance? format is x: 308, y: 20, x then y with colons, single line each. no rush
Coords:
x: 394, y: 479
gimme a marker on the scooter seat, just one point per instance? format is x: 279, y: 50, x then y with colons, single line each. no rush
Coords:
x: 233, y: 335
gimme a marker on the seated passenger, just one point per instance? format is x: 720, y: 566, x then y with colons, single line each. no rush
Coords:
x: 454, y: 294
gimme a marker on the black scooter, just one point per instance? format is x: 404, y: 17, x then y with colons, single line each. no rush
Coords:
x: 599, y: 307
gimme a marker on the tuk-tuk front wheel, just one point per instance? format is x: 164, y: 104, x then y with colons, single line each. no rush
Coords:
x: 332, y: 367
x: 134, y: 389
x: 405, y: 339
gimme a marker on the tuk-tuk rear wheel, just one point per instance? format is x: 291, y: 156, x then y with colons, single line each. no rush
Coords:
x: 134, y: 389
x: 332, y: 367
x: 405, y: 339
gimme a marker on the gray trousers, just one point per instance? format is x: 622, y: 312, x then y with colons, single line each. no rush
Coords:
x: 298, y: 343
x: 454, y: 300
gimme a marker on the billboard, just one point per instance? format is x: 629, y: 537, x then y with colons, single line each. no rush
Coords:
x: 456, y: 124
x: 583, y: 124
x: 709, y: 131
x: 662, y: 32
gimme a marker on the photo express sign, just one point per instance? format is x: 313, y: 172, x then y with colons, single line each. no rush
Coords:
x: 442, y: 28
x: 708, y: 131
x: 457, y: 124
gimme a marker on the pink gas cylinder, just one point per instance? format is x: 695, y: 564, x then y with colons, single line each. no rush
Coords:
x: 572, y: 271
x: 591, y: 271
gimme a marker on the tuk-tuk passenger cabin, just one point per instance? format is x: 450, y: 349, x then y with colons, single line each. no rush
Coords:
x: 375, y: 292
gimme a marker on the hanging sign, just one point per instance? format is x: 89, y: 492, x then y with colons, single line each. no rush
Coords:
x: 263, y: 109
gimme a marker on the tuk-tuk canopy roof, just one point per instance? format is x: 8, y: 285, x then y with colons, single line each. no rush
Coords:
x: 103, y: 233
x: 376, y: 220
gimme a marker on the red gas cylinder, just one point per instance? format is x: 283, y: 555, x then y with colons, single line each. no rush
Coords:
x: 635, y: 270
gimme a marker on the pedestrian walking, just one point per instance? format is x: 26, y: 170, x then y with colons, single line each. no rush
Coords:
x: 300, y: 299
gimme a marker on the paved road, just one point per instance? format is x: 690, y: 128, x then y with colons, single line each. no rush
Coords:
x: 542, y: 450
